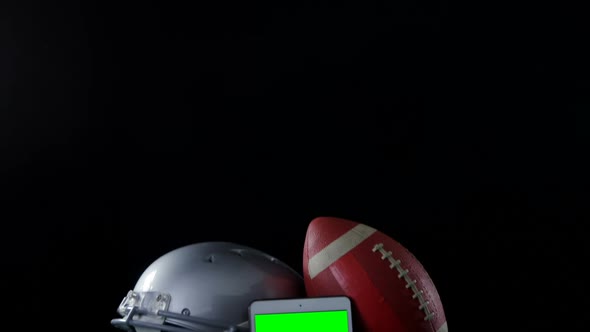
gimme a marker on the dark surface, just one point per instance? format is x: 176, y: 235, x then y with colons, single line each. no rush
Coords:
x: 130, y: 130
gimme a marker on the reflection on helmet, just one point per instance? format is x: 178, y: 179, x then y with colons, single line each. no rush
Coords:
x: 205, y: 287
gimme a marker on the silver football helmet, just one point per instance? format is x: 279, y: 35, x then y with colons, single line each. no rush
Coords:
x: 205, y: 286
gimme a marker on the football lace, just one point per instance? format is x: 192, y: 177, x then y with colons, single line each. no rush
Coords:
x: 410, y: 283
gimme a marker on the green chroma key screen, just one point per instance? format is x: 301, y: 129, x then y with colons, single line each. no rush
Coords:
x: 317, y: 321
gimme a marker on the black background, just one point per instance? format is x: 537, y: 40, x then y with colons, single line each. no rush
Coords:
x: 132, y: 129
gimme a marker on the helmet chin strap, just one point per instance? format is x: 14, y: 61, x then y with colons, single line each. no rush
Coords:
x: 245, y: 326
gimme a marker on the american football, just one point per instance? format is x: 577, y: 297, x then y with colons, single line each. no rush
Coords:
x: 389, y: 288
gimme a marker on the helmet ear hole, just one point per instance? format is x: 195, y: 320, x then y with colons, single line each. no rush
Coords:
x: 211, y: 259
